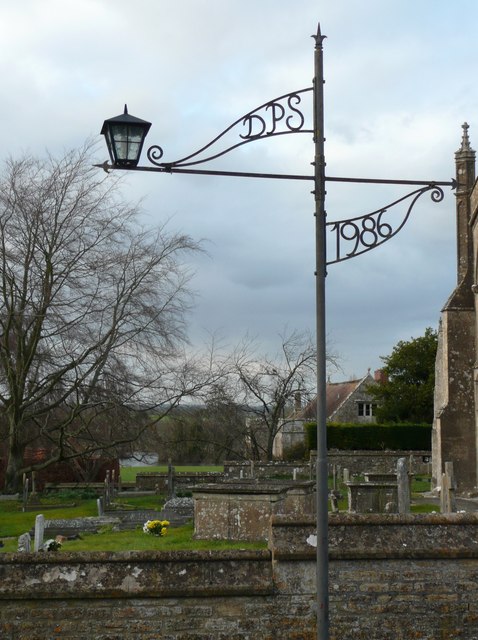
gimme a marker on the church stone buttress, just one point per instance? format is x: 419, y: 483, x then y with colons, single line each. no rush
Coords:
x: 455, y: 426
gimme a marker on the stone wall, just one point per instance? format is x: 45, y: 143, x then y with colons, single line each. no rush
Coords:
x: 391, y: 577
x: 357, y: 462
x: 276, y: 469
x: 155, y: 480
x: 360, y: 462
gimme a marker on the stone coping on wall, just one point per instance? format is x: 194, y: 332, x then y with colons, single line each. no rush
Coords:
x: 373, y: 453
x: 66, y: 575
x: 375, y: 536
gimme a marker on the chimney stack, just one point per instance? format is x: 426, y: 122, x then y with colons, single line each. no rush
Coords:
x: 380, y: 376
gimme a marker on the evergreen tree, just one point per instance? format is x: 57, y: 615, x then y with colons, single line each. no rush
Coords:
x: 406, y: 395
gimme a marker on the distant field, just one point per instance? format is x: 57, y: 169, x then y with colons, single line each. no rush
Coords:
x: 128, y: 474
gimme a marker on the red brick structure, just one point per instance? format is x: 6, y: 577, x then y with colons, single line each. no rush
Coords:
x: 81, y: 470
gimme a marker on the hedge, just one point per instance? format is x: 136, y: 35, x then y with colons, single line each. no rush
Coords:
x: 373, y: 437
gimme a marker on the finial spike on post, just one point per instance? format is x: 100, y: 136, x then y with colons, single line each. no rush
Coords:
x: 319, y: 38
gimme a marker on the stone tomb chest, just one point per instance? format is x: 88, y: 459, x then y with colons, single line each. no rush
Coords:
x: 242, y: 510
x: 372, y: 497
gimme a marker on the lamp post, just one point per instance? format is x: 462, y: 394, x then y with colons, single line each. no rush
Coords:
x: 125, y: 137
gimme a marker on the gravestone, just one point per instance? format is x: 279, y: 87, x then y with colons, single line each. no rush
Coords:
x: 39, y: 532
x: 178, y: 510
x: 334, y: 502
x: 403, y: 481
x: 448, y: 489
x: 24, y: 543
x: 372, y: 497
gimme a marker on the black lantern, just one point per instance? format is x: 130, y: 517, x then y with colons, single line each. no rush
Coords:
x: 125, y: 136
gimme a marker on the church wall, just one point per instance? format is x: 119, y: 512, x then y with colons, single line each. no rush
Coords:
x: 391, y: 577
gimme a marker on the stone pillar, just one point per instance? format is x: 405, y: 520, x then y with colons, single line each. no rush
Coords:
x: 454, y: 426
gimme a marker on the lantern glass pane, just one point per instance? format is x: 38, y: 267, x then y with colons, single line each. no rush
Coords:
x: 127, y: 141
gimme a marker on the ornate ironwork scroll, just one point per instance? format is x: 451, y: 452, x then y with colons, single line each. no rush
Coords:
x: 281, y: 116
x: 356, y: 236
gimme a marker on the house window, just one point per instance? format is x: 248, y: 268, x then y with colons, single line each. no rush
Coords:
x: 365, y: 409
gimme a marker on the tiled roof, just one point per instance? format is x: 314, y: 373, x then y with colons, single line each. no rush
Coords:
x: 336, y: 394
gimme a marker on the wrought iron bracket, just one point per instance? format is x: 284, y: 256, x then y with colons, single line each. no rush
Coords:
x: 284, y: 116
x: 281, y: 116
x: 360, y: 234
x: 353, y: 236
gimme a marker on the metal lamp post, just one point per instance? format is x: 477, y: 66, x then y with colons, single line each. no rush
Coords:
x: 125, y: 136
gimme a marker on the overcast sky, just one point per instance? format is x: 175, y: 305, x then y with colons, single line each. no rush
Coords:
x: 400, y: 81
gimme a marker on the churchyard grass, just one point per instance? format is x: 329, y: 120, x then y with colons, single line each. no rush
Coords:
x: 425, y: 508
x: 14, y: 522
x: 420, y: 484
x: 176, y: 539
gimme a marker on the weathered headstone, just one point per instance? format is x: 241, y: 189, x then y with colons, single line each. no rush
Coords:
x: 334, y: 503
x: 448, y: 489
x: 403, y: 482
x: 391, y: 507
x: 39, y: 532
x: 24, y: 543
x: 346, y: 476
x: 100, y: 505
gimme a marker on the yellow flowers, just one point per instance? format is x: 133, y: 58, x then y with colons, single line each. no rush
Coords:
x: 156, y: 527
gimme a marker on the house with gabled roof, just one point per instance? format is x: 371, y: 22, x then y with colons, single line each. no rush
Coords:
x: 348, y: 401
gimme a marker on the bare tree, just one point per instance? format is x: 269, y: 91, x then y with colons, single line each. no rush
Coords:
x: 267, y: 387
x: 92, y: 314
x: 209, y: 432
